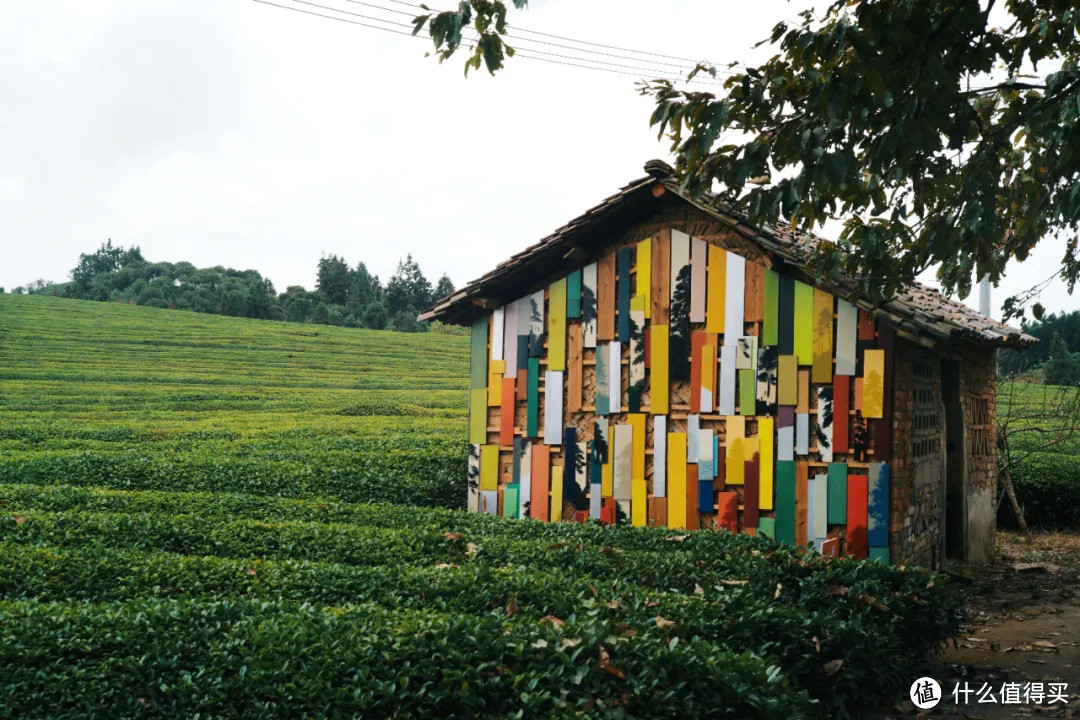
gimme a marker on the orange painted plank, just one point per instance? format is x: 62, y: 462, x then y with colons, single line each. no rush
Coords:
x: 661, y: 280
x: 727, y: 517
x: 802, y: 476
x: 541, y: 482
x: 754, y: 304
x: 522, y: 386
x: 605, y: 297
x: 693, y: 515
x: 658, y: 512
x: 506, y: 413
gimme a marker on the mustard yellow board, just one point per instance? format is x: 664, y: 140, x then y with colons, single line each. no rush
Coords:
x: 556, y: 493
x: 804, y: 323
x: 496, y: 370
x: 478, y: 416
x: 787, y: 384
x: 658, y: 376
x: 823, y: 337
x: 873, y: 383
x: 676, y: 478
x: 556, y: 329
x: 765, y: 427
x: 607, y: 473
x: 489, y: 467
x: 644, y: 275
x: 714, y: 300
x: 639, y: 503
x: 735, y: 458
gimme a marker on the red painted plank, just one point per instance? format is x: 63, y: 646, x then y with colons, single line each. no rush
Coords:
x: 506, y: 413
x: 541, y: 482
x: 692, y: 512
x: 866, y: 326
x: 607, y: 511
x: 727, y: 517
x: 841, y: 408
x: 657, y: 512
x: 857, y: 516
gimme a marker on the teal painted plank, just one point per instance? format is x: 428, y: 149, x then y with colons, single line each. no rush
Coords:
x: 478, y: 356
x: 784, y: 497
x: 766, y: 527
x: 511, y: 500
x: 532, y: 419
x: 880, y: 554
x: 836, y: 512
x: 573, y: 294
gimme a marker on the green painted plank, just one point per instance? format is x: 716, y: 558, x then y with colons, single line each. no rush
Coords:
x: 511, y: 500
x: 836, y: 512
x: 766, y: 527
x: 747, y: 392
x: 880, y: 554
x: 478, y: 355
x: 769, y: 329
x: 532, y: 419
x: 573, y: 294
x: 784, y: 489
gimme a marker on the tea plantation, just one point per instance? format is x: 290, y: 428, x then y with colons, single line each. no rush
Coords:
x: 186, y: 530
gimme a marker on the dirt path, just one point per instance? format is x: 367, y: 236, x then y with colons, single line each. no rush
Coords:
x: 1024, y: 627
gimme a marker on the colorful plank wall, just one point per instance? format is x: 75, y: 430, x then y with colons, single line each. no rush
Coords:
x: 769, y: 400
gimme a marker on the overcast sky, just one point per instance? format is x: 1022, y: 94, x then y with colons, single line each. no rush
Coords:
x: 227, y: 132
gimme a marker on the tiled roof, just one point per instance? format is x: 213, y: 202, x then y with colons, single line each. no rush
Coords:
x: 917, y: 310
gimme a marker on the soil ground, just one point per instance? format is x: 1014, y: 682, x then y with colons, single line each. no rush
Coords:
x: 1023, y: 626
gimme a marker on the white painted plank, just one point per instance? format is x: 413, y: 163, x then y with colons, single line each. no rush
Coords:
x: 802, y: 433
x: 659, y: 478
x: 693, y: 438
x: 615, y: 378
x: 553, y: 407
x: 510, y: 331
x: 846, y: 325
x: 726, y: 403
x: 498, y: 320
x: 622, y: 462
x: 785, y: 443
x: 734, y: 298
x: 699, y: 260
x: 706, y: 466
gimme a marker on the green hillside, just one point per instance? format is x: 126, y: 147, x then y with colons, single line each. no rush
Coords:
x: 134, y: 397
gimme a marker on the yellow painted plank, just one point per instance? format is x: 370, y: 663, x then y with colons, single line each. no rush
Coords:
x: 478, y: 416
x: 607, y: 475
x: 787, y: 382
x: 676, y: 478
x: 556, y: 325
x: 823, y: 336
x: 659, y: 391
x: 638, y: 496
x: 489, y: 467
x: 803, y: 405
x: 766, y: 451
x: 735, y: 456
x: 644, y: 275
x: 714, y: 300
x: 496, y: 370
x: 804, y: 323
x: 556, y: 493
x: 873, y: 387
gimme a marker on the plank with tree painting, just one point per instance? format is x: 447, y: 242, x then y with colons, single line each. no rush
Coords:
x: 474, y: 478
x: 822, y: 342
x: 636, y: 370
x: 679, y: 312
x: 588, y: 305
x: 525, y: 479
x: 536, y: 324
x: 768, y: 373
x: 573, y: 295
x: 804, y: 323
x: 727, y: 511
x: 623, y: 258
x: 873, y: 386
x: 823, y: 425
x: 735, y: 449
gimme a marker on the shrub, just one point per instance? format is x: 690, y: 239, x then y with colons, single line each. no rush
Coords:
x: 1048, y: 488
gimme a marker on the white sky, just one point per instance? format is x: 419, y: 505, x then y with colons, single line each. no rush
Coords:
x: 225, y: 132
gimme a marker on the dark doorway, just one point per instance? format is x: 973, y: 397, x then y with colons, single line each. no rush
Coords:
x: 955, y: 462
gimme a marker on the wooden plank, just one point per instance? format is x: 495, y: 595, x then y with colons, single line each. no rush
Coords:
x: 556, y: 325
x: 659, y: 382
x: 822, y: 337
x: 636, y: 370
x: 588, y: 304
x: 706, y: 437
x: 841, y: 406
x: 556, y: 506
x: 622, y: 292
x: 498, y: 326
x: 553, y: 407
x: 877, y: 506
x: 506, y: 412
x: 605, y: 297
x: 768, y: 373
x: 478, y: 413
x: 856, y: 516
x: 643, y: 275
x: 622, y: 512
x: 496, y: 370
x: 698, y: 339
x: 473, y: 482
x: 574, y: 368
x: 489, y: 467
x: 607, y: 476
x: 766, y: 527
x: 573, y: 295
x: 541, y: 483
x: 715, y: 294
x: 747, y: 392
x: 846, y: 326
x: 719, y: 471
x: 623, y: 462
x: 751, y: 484
x: 858, y: 404
x: 836, y: 512
x: 735, y: 449
x: 804, y: 323
x: 706, y: 494
x: 802, y: 433
x: 883, y: 428
x: 607, y: 511
x: 699, y: 259
x: 595, y: 501
x: 785, y: 501
x: 866, y: 326
x: 820, y: 499
x: 525, y: 479
x: 478, y: 353
x: 785, y: 314
x: 747, y: 357
x: 693, y: 517
x: 510, y: 338
x: 754, y: 304
x: 787, y: 382
x: 726, y: 401
x: 603, y: 379
x: 734, y: 302
x: 766, y: 451
x: 532, y: 409
x: 661, y: 277
x: 659, y: 481
x: 873, y: 383
x: 811, y: 509
x: 802, y: 404
x: 679, y: 323
x: 823, y: 425
x: 615, y: 378
x: 638, y: 494
x: 708, y: 373
x: 489, y: 502
x: 676, y: 476
x: 785, y: 433
x: 536, y: 324
x: 770, y: 321
x: 802, y: 489
x: 727, y: 512
x: 657, y: 512
x: 511, y: 504
x: 693, y: 438
x: 859, y: 439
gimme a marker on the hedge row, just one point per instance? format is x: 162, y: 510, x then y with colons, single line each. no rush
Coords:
x: 231, y: 658
x: 1048, y: 488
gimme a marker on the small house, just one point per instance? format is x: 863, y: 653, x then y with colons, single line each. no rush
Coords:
x: 658, y: 361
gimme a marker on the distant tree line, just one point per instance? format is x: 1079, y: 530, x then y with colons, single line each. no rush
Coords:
x: 1058, y: 351
x: 344, y: 295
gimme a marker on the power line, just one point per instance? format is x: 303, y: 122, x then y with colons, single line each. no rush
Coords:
x: 539, y: 54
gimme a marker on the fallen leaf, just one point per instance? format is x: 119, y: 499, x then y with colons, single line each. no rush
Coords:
x: 616, y: 604
x: 570, y: 643
x: 626, y: 630
x: 606, y: 666
x: 664, y: 624
x: 20, y: 519
x: 652, y: 603
x: 779, y: 588
x: 817, y: 643
x: 556, y: 546
x: 833, y: 666
x: 251, y: 571
x: 443, y: 566
x: 734, y: 582
x: 698, y: 590
x: 872, y: 601
x: 511, y: 607
x: 595, y: 592
x: 1044, y: 644
x: 451, y: 536
x: 540, y: 644
x: 471, y: 549
x: 677, y: 538
x: 553, y: 620
x: 835, y: 589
